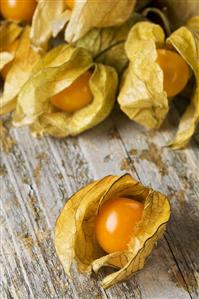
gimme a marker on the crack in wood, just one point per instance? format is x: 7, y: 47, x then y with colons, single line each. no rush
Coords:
x: 184, y: 280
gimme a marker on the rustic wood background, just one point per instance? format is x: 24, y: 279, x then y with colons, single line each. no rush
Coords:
x: 37, y: 177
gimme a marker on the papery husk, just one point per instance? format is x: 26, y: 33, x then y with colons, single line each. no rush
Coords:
x: 106, y: 45
x: 142, y: 96
x: 9, y: 32
x: 75, y: 228
x: 84, y: 16
x: 186, y: 42
x: 47, y: 11
x: 57, y: 70
x: 59, y: 23
x: 50, y: 18
x: 179, y: 12
x: 5, y: 57
x: 22, y: 65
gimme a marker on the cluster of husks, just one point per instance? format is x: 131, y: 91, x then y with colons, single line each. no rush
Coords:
x: 117, y: 42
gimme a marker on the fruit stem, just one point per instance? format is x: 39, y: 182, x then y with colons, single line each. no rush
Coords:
x: 107, y: 49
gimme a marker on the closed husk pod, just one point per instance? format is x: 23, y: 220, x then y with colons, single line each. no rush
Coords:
x: 75, y: 228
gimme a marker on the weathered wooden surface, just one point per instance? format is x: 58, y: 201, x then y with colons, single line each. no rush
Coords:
x: 37, y: 176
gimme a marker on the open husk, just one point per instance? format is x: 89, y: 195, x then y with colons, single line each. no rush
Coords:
x: 75, y: 228
x: 142, y: 96
x: 56, y: 70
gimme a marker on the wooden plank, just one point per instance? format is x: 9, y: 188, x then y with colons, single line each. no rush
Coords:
x: 175, y: 173
x: 45, y: 275
x: 101, y: 142
x: 41, y: 174
x: 38, y: 211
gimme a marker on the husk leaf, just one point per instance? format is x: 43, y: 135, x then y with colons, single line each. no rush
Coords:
x: 59, y: 23
x: 9, y: 32
x: 56, y: 71
x: 46, y: 12
x: 106, y: 45
x: 75, y: 209
x: 75, y: 228
x: 5, y: 57
x: 142, y: 96
x: 84, y: 17
x: 186, y: 42
x: 22, y: 65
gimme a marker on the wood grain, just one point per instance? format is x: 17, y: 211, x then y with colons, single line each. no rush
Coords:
x: 38, y: 175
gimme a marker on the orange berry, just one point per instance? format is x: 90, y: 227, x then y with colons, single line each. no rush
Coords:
x: 76, y: 96
x: 70, y: 4
x: 175, y: 71
x: 18, y: 10
x: 115, y: 223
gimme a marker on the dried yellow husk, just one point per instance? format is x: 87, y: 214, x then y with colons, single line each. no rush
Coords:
x: 75, y: 228
x: 85, y: 18
x: 142, y: 96
x: 22, y: 65
x: 59, y: 23
x: 186, y: 42
x: 9, y: 32
x: 57, y: 70
x: 5, y: 57
x: 47, y: 11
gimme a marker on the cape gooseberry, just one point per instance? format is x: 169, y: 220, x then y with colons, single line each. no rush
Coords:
x: 116, y: 222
